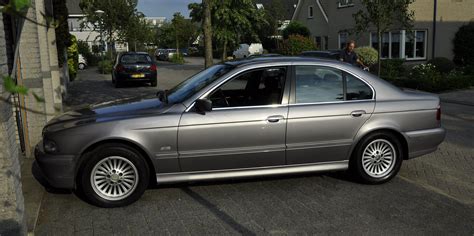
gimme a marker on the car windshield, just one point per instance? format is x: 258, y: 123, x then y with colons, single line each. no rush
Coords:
x: 189, y: 87
x: 135, y: 59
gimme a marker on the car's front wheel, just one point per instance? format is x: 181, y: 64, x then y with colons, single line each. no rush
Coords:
x: 377, y: 158
x: 114, y: 175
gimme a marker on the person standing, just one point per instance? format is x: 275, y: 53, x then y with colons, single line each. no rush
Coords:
x: 349, y: 56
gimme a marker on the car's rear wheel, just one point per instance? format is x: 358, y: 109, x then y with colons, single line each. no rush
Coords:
x: 114, y: 175
x: 377, y: 158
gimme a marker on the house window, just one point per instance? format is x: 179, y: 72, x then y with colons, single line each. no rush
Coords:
x: 398, y: 44
x: 415, y: 44
x: 346, y: 3
x: 310, y: 11
x: 343, y: 37
x: 317, y: 40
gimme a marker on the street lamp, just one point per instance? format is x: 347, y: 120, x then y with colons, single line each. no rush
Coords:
x: 102, y: 46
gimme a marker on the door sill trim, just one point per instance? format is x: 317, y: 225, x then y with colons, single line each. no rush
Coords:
x: 250, y: 172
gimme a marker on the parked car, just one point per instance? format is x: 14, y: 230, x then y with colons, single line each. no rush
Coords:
x: 246, y: 50
x: 134, y: 67
x: 246, y: 118
x: 160, y: 54
x: 171, y: 53
x: 331, y: 54
x: 82, y: 62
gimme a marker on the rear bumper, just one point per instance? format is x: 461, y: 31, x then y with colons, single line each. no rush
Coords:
x: 54, y: 170
x: 422, y: 142
x: 126, y: 77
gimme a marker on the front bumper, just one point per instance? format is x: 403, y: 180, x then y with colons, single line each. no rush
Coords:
x: 57, y: 171
x: 422, y: 142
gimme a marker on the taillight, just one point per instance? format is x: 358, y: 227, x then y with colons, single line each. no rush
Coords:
x: 119, y: 68
x: 153, y: 67
x: 438, y: 113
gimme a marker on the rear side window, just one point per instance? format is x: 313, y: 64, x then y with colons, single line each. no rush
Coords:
x: 318, y: 84
x: 135, y: 59
x: 356, y: 89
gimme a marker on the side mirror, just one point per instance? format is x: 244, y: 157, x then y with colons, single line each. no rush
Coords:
x: 203, y: 105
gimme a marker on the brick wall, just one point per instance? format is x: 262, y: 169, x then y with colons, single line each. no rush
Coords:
x: 12, y: 216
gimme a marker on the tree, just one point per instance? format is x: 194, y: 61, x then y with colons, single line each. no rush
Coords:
x: 296, y: 28
x: 207, y: 29
x: 138, y: 32
x: 234, y: 22
x: 382, y: 15
x: 117, y: 17
x: 463, y: 50
x: 184, y: 31
x: 164, y: 36
x: 63, y: 37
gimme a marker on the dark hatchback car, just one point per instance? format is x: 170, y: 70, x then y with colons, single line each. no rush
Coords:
x: 134, y: 67
x: 330, y: 54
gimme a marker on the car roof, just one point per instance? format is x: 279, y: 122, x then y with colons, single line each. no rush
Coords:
x: 276, y: 59
x: 132, y: 53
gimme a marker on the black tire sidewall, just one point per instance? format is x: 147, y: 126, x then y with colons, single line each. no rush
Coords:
x: 114, y: 150
x: 356, y: 160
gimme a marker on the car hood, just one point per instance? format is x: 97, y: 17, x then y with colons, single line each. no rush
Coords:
x: 109, y: 111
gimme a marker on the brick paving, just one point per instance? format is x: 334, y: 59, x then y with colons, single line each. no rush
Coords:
x: 432, y: 195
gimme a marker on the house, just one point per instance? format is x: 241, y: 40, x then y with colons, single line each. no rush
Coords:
x: 436, y: 23
x: 286, y: 7
x: 86, y: 34
x: 156, y: 21
x: 28, y: 55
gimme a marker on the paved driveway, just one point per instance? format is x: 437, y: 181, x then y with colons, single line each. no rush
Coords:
x: 433, y: 194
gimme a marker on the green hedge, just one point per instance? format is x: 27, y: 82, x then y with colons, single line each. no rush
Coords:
x: 368, y: 55
x: 73, y: 58
x: 296, y: 44
x: 105, y: 66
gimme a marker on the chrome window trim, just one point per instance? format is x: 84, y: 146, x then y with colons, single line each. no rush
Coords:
x: 333, y: 102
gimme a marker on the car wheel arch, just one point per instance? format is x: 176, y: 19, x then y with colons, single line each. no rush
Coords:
x: 398, y: 134
x: 131, y: 144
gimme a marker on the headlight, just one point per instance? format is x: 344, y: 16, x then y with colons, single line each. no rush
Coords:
x: 50, y: 146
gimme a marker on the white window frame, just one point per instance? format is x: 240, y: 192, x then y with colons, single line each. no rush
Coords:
x: 402, y: 45
x: 347, y: 3
x: 310, y: 8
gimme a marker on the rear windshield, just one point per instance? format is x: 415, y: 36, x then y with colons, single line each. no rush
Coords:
x: 135, y: 59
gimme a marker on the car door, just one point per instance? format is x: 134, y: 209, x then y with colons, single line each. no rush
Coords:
x: 246, y: 127
x: 327, y: 108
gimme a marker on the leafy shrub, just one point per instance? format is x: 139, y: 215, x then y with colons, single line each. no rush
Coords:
x: 463, y: 49
x: 442, y: 64
x: 105, y: 66
x: 177, y: 58
x: 86, y: 52
x: 73, y: 58
x: 427, y: 77
x: 368, y: 55
x: 296, y: 44
x: 295, y: 28
x: 391, y: 69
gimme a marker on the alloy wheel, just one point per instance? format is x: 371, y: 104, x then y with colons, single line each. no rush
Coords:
x: 378, y: 158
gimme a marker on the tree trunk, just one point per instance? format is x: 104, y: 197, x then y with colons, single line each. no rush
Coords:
x: 224, y: 51
x: 207, y: 28
x: 379, y: 64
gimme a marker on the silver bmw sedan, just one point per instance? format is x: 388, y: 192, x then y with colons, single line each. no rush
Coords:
x: 254, y: 117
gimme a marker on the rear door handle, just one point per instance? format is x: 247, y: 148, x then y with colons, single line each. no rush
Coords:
x: 275, y: 119
x: 358, y: 113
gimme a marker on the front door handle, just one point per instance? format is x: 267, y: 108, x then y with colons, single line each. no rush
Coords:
x: 275, y: 119
x: 357, y: 113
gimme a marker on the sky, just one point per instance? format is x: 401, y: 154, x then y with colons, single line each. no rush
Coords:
x: 164, y: 8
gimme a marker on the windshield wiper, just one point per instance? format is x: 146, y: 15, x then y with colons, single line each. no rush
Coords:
x: 163, y: 95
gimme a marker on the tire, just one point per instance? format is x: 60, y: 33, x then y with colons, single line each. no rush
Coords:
x: 112, y: 168
x: 81, y: 66
x: 377, y: 158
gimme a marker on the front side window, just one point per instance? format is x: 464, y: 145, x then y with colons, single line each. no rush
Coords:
x: 254, y: 88
x: 318, y: 84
